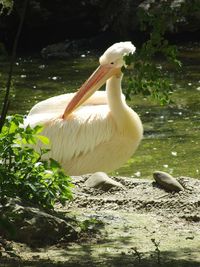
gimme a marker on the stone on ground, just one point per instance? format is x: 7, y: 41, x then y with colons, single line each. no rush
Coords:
x: 101, y: 181
x: 167, y: 182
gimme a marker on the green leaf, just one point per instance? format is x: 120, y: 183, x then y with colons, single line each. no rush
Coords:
x: 43, y: 139
x: 38, y: 129
x: 32, y: 187
x: 13, y: 127
x: 24, y: 172
x: 54, y: 164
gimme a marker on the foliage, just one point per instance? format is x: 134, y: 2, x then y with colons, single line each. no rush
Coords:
x: 6, y: 6
x: 23, y: 173
x: 148, y: 77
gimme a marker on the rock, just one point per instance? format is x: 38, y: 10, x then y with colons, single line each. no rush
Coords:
x: 32, y: 225
x: 101, y: 181
x: 59, y: 50
x: 66, y: 49
x: 74, y: 48
x: 167, y: 182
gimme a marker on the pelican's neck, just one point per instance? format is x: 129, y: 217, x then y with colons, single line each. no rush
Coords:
x: 114, y: 94
x: 126, y: 119
x: 116, y: 101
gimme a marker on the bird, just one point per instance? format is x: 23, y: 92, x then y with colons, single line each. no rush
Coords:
x: 91, y: 130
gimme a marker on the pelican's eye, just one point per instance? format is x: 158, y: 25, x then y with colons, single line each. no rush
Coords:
x: 112, y: 63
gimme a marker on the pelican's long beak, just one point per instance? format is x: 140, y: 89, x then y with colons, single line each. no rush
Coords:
x: 95, y: 81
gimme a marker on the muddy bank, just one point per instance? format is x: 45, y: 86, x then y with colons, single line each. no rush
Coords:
x: 143, y: 225
x: 142, y: 195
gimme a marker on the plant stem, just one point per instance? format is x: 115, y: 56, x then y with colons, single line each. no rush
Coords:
x: 6, y: 102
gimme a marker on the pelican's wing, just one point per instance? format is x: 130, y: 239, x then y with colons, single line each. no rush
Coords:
x: 54, y: 107
x: 86, y: 128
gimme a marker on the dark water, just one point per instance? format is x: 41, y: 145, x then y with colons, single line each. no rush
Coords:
x: 171, y: 140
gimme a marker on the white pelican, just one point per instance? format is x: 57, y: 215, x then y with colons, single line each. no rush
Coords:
x: 92, y: 131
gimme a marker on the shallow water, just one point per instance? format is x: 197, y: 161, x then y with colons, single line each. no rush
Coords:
x: 171, y: 140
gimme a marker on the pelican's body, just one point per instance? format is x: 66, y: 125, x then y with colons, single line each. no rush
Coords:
x: 100, y: 135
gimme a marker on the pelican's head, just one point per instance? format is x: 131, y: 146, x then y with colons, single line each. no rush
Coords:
x: 111, y: 63
x: 114, y: 55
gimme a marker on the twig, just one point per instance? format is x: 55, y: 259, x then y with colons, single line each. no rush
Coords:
x: 6, y: 102
x: 137, y: 254
x: 157, y: 250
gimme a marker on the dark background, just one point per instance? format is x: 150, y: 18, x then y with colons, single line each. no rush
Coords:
x: 97, y: 22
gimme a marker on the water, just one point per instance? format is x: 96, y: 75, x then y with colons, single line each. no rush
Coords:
x: 171, y: 139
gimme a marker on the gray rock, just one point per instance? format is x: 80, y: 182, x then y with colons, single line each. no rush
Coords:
x: 101, y: 181
x: 32, y: 225
x: 66, y: 49
x: 167, y: 182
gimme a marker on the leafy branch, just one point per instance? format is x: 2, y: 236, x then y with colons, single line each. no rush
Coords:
x: 6, y: 6
x: 148, y: 77
x: 23, y: 172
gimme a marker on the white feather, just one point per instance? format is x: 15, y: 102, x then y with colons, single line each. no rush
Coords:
x: 98, y: 136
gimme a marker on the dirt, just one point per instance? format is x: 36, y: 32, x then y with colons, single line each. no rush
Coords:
x: 141, y: 225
